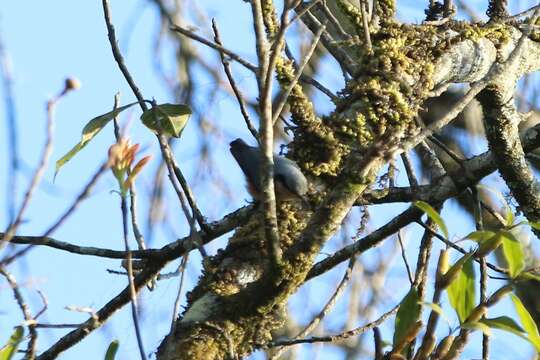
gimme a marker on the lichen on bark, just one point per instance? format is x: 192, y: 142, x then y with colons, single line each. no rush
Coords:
x: 244, y: 301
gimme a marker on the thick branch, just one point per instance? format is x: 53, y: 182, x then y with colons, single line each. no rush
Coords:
x: 501, y: 121
x: 471, y: 171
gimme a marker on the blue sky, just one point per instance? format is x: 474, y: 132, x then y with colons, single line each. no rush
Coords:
x: 49, y: 41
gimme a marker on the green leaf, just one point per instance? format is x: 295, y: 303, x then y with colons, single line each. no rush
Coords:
x: 433, y: 215
x: 527, y: 275
x: 505, y: 323
x: 172, y: 118
x: 90, y: 130
x: 8, y: 350
x: 407, y: 315
x: 476, y: 325
x: 527, y: 322
x: 111, y: 350
x: 438, y: 309
x: 490, y: 244
x: 462, y: 291
x: 509, y: 215
x: 535, y: 225
x: 513, y: 253
x: 480, y: 236
x: 455, y: 270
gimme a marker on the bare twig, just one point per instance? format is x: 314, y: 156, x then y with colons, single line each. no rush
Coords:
x: 12, y: 134
x: 82, y: 195
x: 133, y: 293
x: 404, y: 256
x: 173, y: 169
x: 29, y: 319
x: 306, y: 79
x: 118, y: 56
x: 325, y: 310
x: 459, y: 248
x: 424, y: 255
x: 365, y: 23
x: 409, y: 169
x: 101, y: 316
x: 170, y: 251
x: 410, y: 215
x: 164, y: 146
x: 42, y: 166
x: 56, y: 326
x: 234, y: 87
x: 479, y: 221
x: 217, y: 47
x: 525, y: 12
x: 311, y: 81
x: 282, y: 99
x: 176, y: 307
x: 333, y: 338
x: 45, y: 305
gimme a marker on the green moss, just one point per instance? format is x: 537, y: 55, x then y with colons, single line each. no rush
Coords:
x: 386, y: 97
x: 386, y: 10
x: 380, y: 102
x: 498, y: 33
x: 269, y: 17
x: 353, y: 13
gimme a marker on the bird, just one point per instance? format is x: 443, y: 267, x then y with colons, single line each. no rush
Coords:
x: 289, y: 181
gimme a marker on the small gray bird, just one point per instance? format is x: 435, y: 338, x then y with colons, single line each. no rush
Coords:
x: 289, y: 181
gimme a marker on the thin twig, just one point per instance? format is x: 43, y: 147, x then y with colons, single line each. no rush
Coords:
x: 459, y: 248
x: 377, y: 339
x: 164, y: 146
x: 102, y: 315
x: 118, y: 55
x: 479, y: 222
x: 303, y: 10
x: 428, y: 341
x: 82, y: 195
x: 172, y: 169
x: 365, y: 24
x: 45, y: 305
x: 11, y: 133
x: 133, y: 293
x: 306, y: 79
x: 525, y: 12
x: 282, y: 99
x: 424, y: 255
x: 325, y: 310
x: 170, y: 251
x: 172, y: 165
x: 40, y: 169
x: 232, y: 82
x: 56, y: 326
x: 30, y: 321
x: 221, y: 49
x: 404, y: 256
x: 176, y: 307
x: 409, y: 169
x: 483, y: 298
x: 333, y: 338
x: 317, y: 85
x: 334, y: 21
